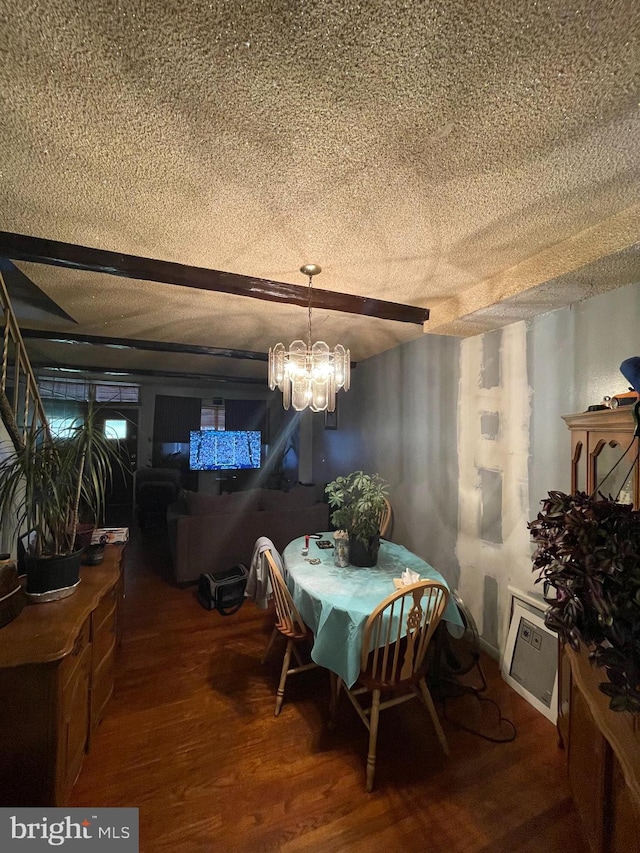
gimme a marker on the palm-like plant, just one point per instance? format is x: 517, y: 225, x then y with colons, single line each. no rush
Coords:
x: 44, y: 484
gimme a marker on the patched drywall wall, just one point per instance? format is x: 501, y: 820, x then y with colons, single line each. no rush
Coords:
x: 493, y: 501
x: 515, y: 385
x: 470, y: 436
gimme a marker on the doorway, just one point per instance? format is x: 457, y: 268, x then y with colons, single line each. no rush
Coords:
x: 121, y: 424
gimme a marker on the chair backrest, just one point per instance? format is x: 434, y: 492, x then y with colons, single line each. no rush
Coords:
x: 384, y: 521
x: 398, y: 632
x: 156, y: 486
x: 289, y: 621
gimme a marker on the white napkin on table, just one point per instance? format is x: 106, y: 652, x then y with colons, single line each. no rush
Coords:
x: 409, y: 577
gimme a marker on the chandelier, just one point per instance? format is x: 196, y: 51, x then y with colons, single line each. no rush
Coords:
x: 309, y: 375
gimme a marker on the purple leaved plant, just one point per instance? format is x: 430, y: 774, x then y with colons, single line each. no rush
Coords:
x: 588, y: 559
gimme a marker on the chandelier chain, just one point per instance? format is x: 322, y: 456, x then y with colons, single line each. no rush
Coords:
x: 309, y: 309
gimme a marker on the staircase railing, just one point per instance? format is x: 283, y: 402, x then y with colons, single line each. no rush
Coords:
x: 21, y: 406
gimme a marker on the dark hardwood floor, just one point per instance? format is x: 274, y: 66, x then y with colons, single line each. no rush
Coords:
x: 191, y: 740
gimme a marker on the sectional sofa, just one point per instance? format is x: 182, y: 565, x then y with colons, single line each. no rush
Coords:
x: 209, y: 532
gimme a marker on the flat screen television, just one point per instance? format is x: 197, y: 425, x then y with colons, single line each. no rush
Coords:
x: 224, y: 450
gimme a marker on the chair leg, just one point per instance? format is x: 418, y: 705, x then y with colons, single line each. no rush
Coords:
x: 271, y: 642
x: 373, y: 738
x: 428, y: 701
x: 335, y: 683
x: 296, y: 655
x: 283, y: 675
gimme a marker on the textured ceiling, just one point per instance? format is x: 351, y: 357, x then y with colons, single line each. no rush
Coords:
x: 479, y: 159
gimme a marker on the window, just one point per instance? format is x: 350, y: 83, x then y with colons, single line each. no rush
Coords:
x: 117, y: 393
x: 62, y: 427
x: 115, y: 429
x: 74, y: 389
x: 63, y: 389
x: 212, y: 416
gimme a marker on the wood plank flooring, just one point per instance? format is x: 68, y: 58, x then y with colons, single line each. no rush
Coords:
x: 191, y: 740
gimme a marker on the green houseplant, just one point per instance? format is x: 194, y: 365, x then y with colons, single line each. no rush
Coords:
x: 45, y: 485
x: 588, y: 557
x: 358, y: 502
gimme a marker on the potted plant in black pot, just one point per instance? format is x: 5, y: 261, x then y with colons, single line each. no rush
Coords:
x: 359, y: 502
x: 588, y: 557
x: 43, y: 485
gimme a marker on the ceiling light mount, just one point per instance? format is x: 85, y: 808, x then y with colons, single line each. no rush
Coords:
x: 310, y: 269
x: 309, y: 375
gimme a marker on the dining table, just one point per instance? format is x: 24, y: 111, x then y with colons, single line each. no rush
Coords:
x: 336, y: 602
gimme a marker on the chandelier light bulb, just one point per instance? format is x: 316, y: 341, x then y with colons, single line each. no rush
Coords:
x: 309, y: 375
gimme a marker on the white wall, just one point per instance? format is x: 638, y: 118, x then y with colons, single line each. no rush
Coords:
x: 424, y: 416
x: 399, y: 420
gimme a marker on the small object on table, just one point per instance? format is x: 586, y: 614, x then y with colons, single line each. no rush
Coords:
x: 94, y: 554
x: 406, y: 578
x: 115, y: 535
x: 341, y: 554
x: 324, y: 543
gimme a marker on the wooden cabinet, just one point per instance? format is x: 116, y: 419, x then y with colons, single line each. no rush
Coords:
x: 103, y: 655
x: 603, y: 747
x: 603, y: 453
x: 57, y: 663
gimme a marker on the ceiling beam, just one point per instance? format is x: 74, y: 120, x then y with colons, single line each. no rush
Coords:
x: 137, y: 344
x: 19, y: 247
x: 132, y: 372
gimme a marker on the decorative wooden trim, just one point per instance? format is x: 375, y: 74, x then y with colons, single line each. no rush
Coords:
x: 20, y: 247
x: 620, y: 419
x: 575, y: 461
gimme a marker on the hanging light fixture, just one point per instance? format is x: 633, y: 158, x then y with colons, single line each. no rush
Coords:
x: 309, y: 375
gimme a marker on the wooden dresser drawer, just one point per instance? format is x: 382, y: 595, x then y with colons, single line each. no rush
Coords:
x: 102, y: 686
x: 70, y: 661
x: 104, y: 608
x: 104, y: 635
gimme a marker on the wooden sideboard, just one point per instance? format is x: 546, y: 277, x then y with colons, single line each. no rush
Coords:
x: 602, y: 746
x: 57, y: 666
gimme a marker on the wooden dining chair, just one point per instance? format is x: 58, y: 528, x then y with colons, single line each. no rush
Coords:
x: 384, y: 521
x: 394, y: 646
x: 288, y: 623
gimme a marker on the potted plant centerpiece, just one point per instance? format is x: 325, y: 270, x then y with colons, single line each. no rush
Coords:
x: 43, y: 485
x: 588, y: 557
x: 359, y: 502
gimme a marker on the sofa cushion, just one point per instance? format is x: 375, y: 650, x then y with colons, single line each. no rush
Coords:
x: 297, y: 498
x: 199, y: 504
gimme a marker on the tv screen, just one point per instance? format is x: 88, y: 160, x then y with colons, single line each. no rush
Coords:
x: 218, y: 450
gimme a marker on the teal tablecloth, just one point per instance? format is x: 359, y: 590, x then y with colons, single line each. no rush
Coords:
x: 335, y: 603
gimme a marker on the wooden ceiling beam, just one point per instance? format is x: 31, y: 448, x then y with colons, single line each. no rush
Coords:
x: 20, y: 247
x: 132, y: 372
x: 137, y: 344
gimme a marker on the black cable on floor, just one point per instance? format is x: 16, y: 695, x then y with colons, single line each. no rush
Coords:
x: 463, y: 689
